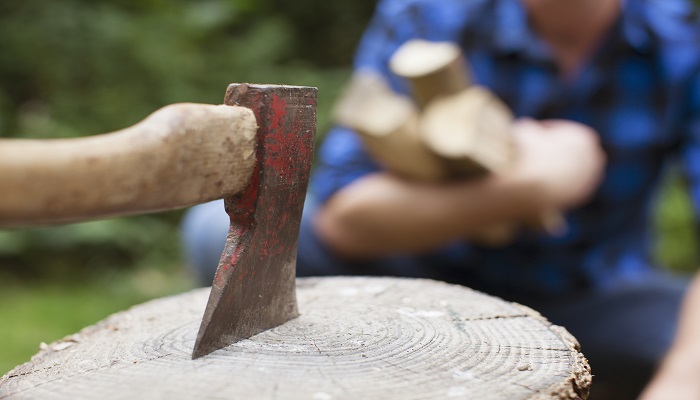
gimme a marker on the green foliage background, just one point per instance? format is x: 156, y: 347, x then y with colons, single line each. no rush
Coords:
x: 72, y: 68
x: 82, y: 67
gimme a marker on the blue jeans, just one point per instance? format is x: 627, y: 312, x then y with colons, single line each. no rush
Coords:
x: 624, y: 332
x: 203, y: 232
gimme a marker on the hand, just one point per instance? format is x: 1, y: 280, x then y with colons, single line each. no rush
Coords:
x: 670, y: 386
x: 677, y: 379
x: 563, y: 158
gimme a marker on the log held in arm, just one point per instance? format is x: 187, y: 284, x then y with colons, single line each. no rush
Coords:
x: 356, y: 338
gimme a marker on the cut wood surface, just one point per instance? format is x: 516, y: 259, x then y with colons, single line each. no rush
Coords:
x: 181, y: 155
x: 433, y: 68
x: 356, y: 338
x: 470, y: 130
x: 388, y: 125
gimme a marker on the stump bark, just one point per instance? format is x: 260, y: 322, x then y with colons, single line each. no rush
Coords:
x: 356, y: 338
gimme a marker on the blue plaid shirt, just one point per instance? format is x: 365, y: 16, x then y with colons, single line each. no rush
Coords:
x: 640, y: 92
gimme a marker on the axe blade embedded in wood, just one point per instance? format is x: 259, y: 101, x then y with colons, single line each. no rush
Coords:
x: 254, y: 286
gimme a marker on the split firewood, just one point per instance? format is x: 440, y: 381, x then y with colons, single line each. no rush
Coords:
x: 388, y: 125
x: 467, y: 126
x: 433, y: 69
x: 470, y: 131
x: 449, y: 130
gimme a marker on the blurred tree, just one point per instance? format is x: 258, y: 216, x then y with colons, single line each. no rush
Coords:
x: 76, y: 66
x: 675, y: 227
x: 79, y: 67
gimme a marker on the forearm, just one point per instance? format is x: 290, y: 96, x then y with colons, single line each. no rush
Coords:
x: 688, y: 337
x: 558, y: 166
x: 678, y: 375
x: 382, y: 214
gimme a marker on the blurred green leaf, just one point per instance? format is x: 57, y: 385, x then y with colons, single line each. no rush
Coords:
x: 676, y: 230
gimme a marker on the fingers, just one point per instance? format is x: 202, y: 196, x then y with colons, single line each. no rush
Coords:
x: 564, y: 157
x: 526, y: 125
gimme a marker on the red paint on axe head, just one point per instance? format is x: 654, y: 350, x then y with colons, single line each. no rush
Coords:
x: 254, y: 288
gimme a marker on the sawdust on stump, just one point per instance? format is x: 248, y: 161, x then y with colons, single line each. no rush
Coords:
x: 356, y: 338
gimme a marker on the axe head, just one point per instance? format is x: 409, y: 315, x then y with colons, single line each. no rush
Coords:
x: 254, y: 286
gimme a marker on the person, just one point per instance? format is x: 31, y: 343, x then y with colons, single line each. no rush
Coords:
x: 608, y: 95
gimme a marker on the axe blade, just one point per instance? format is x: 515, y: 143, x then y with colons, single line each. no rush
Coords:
x: 254, y: 288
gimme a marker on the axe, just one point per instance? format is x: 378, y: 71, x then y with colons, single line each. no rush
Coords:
x: 254, y: 286
x: 255, y: 152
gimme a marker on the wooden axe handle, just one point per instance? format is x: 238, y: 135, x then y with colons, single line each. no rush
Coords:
x: 181, y: 155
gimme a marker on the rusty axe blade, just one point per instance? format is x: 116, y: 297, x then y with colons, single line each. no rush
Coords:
x: 254, y: 286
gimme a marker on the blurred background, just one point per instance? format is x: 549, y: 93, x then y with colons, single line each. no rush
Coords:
x: 82, y: 67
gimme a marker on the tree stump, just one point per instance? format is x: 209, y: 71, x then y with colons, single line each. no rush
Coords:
x: 356, y: 338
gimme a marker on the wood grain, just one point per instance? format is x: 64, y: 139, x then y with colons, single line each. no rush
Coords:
x: 181, y: 155
x: 356, y: 338
x: 470, y: 131
x: 434, y: 68
x: 388, y: 125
